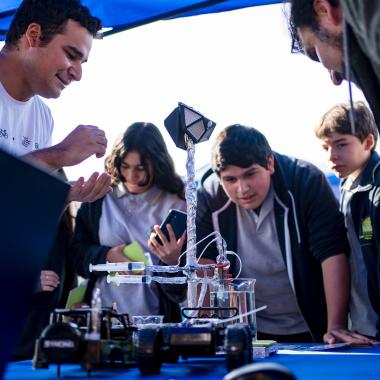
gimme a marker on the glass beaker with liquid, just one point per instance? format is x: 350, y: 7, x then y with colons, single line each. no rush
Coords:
x: 239, y: 295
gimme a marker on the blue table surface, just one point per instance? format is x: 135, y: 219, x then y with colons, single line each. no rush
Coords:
x: 347, y: 364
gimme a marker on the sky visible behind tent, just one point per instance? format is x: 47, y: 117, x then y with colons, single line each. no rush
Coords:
x: 234, y: 67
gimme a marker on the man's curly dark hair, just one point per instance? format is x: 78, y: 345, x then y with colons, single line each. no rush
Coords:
x: 52, y: 16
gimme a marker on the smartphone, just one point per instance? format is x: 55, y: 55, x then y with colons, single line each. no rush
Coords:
x: 178, y: 220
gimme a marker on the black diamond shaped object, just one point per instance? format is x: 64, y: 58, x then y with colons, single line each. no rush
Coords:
x: 184, y: 120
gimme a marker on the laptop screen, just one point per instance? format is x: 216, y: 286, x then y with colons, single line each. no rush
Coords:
x: 31, y: 203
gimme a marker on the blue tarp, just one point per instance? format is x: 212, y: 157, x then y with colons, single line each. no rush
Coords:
x: 126, y: 14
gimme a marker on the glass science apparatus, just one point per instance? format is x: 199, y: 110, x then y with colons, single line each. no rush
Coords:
x: 186, y: 127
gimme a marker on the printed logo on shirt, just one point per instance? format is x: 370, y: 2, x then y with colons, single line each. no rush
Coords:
x: 26, y: 142
x: 366, y: 233
x: 3, y: 133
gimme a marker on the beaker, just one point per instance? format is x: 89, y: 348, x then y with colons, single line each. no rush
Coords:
x: 238, y: 294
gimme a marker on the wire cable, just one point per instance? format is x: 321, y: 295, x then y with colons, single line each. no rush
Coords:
x: 239, y: 259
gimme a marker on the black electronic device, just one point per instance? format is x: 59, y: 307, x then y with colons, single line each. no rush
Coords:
x: 178, y: 221
x: 185, y: 122
x: 68, y: 339
x: 31, y: 203
x: 167, y: 343
x: 260, y: 371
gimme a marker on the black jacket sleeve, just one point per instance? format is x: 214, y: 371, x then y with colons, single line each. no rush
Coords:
x: 320, y: 217
x: 85, y: 245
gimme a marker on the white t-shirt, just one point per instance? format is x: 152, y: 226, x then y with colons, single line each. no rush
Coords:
x: 24, y: 126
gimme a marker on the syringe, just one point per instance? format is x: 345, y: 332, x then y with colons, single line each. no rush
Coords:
x: 117, y: 267
x: 144, y: 279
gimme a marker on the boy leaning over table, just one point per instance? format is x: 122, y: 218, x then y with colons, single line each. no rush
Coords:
x: 352, y: 157
x: 280, y: 216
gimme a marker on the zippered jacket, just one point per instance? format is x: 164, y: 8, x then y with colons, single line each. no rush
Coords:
x: 309, y: 225
x: 366, y: 217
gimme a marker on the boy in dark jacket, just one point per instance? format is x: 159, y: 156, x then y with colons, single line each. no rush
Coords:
x: 281, y: 217
x: 352, y: 157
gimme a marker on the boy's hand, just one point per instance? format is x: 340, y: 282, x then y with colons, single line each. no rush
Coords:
x: 343, y: 335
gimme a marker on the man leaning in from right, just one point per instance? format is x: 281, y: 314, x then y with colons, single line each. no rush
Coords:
x: 317, y: 30
x: 45, y: 47
x: 352, y: 157
x: 280, y: 216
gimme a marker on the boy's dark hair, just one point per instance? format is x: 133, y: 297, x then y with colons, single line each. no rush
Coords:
x: 52, y: 15
x: 145, y: 139
x: 337, y: 119
x: 302, y: 14
x: 241, y: 146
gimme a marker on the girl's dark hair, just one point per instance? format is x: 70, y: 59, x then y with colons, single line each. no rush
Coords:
x: 52, y: 16
x: 241, y: 146
x: 146, y: 139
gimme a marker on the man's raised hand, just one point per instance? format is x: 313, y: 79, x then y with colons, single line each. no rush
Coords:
x: 81, y: 143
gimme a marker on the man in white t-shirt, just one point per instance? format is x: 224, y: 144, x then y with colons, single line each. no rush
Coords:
x: 45, y: 47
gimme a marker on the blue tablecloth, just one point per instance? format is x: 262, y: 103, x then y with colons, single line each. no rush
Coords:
x: 347, y: 364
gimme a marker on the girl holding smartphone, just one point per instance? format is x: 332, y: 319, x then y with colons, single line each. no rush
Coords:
x: 145, y: 188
